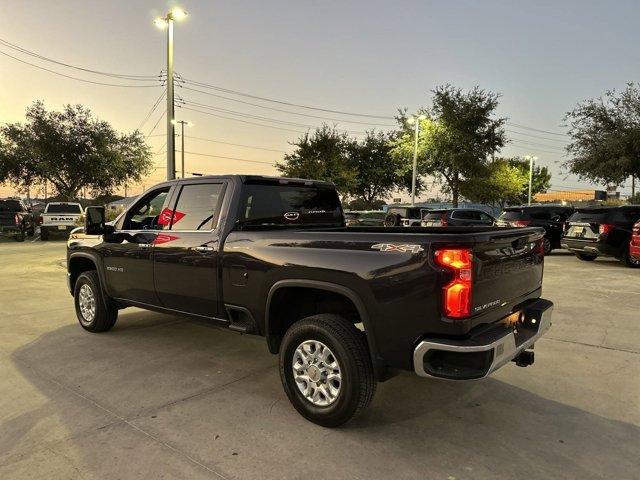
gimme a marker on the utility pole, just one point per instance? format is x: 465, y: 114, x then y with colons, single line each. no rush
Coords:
x: 167, y: 23
x: 415, y: 120
x: 633, y: 186
x: 182, y: 124
x: 531, y: 160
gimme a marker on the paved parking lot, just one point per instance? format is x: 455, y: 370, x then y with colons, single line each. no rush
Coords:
x: 164, y: 397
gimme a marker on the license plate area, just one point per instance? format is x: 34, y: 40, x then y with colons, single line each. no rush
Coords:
x: 62, y: 227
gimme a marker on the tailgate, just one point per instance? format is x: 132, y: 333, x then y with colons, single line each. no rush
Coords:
x: 507, y: 267
x: 54, y: 219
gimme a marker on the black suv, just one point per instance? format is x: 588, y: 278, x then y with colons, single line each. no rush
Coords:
x: 602, y: 231
x: 456, y: 217
x: 550, y: 217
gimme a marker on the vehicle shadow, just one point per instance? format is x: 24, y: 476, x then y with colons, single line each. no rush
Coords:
x: 201, y: 382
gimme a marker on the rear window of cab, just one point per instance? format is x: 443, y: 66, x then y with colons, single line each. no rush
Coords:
x: 512, y: 214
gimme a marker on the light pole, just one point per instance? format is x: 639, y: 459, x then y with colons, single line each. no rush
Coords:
x: 531, y: 160
x: 182, y: 124
x: 411, y: 121
x: 167, y: 23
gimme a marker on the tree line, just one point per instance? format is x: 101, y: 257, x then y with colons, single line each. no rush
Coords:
x: 459, y: 144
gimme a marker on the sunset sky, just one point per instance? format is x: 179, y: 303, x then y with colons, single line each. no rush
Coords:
x: 367, y: 57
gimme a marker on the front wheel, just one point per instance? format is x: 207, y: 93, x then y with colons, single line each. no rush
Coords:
x: 94, y: 314
x: 20, y: 236
x: 547, y: 245
x: 326, y: 369
x: 586, y: 257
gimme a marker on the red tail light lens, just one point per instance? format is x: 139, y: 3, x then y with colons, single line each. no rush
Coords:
x: 443, y: 221
x: 522, y: 223
x: 16, y: 219
x: 605, y: 228
x: 456, y: 295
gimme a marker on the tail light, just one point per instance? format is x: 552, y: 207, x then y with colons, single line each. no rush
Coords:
x: 443, y: 221
x: 522, y: 223
x: 16, y: 218
x: 605, y: 228
x: 456, y: 295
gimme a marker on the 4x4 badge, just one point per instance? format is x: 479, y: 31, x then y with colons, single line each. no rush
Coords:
x: 391, y: 247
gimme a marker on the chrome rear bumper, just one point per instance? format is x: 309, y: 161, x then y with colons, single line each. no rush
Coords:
x: 480, y: 356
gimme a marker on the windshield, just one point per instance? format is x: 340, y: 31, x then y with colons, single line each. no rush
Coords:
x: 589, y: 216
x: 511, y: 215
x: 277, y: 204
x: 10, y: 206
x: 64, y: 208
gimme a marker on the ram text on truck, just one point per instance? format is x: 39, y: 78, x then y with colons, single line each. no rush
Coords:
x: 343, y: 307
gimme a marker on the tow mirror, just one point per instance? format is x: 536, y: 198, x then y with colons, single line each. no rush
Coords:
x: 94, y: 220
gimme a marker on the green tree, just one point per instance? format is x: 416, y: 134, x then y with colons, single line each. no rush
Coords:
x: 321, y: 155
x: 500, y: 183
x: 605, y: 137
x: 375, y: 169
x: 457, y: 137
x: 71, y: 150
x: 541, y: 181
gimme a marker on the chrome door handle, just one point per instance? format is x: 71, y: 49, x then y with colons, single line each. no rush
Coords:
x: 144, y: 245
x: 203, y: 249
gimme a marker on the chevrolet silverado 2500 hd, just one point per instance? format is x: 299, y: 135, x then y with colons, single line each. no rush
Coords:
x: 343, y: 307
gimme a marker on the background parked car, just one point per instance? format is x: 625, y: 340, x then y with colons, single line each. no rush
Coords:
x: 351, y: 218
x: 16, y: 219
x: 371, y: 218
x: 406, y: 216
x: 456, y: 217
x: 550, y: 217
x: 59, y: 217
x: 605, y: 231
x: 634, y: 246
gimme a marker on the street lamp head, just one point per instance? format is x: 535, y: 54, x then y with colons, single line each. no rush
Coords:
x: 176, y: 13
x: 422, y: 117
x: 161, y: 23
x: 411, y: 120
x: 189, y: 124
x: 173, y: 121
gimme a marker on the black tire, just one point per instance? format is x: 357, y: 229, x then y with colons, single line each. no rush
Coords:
x: 20, y: 236
x: 105, y: 313
x: 629, y: 261
x: 348, y: 347
x: 31, y: 232
x: 44, y: 235
x: 391, y: 220
x: 548, y: 246
x: 587, y: 257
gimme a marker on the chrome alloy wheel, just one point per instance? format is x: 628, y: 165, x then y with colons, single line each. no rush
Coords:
x: 316, y: 372
x: 87, y: 303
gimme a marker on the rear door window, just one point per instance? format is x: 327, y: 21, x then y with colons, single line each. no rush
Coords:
x: 10, y: 206
x: 465, y: 215
x: 287, y: 204
x: 197, y: 207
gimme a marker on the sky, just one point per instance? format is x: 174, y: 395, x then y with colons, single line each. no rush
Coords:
x: 369, y: 57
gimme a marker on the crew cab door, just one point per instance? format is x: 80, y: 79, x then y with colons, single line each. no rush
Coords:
x: 128, y: 252
x: 186, y: 257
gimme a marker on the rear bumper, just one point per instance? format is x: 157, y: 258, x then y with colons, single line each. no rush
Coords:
x: 9, y: 229
x: 589, y: 246
x: 481, y: 355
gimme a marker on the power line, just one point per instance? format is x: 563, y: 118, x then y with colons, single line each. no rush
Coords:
x: 286, y: 111
x: 142, y: 78
x: 513, y: 132
x: 241, y: 121
x: 76, y: 78
x: 282, y: 102
x: 156, y: 124
x: 234, y: 144
x: 231, y: 158
x: 153, y: 109
x: 535, y: 129
x: 536, y: 144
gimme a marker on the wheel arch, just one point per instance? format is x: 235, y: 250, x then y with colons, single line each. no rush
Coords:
x: 80, y: 262
x: 274, y: 337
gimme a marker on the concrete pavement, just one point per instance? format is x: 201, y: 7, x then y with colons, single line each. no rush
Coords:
x: 164, y: 397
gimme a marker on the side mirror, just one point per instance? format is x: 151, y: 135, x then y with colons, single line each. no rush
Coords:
x: 94, y: 220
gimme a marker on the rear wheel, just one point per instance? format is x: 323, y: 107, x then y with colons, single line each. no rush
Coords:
x: 547, y: 246
x: 20, y: 236
x: 326, y: 369
x: 44, y: 234
x: 93, y: 315
x: 629, y: 261
x: 587, y: 257
x: 391, y: 220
